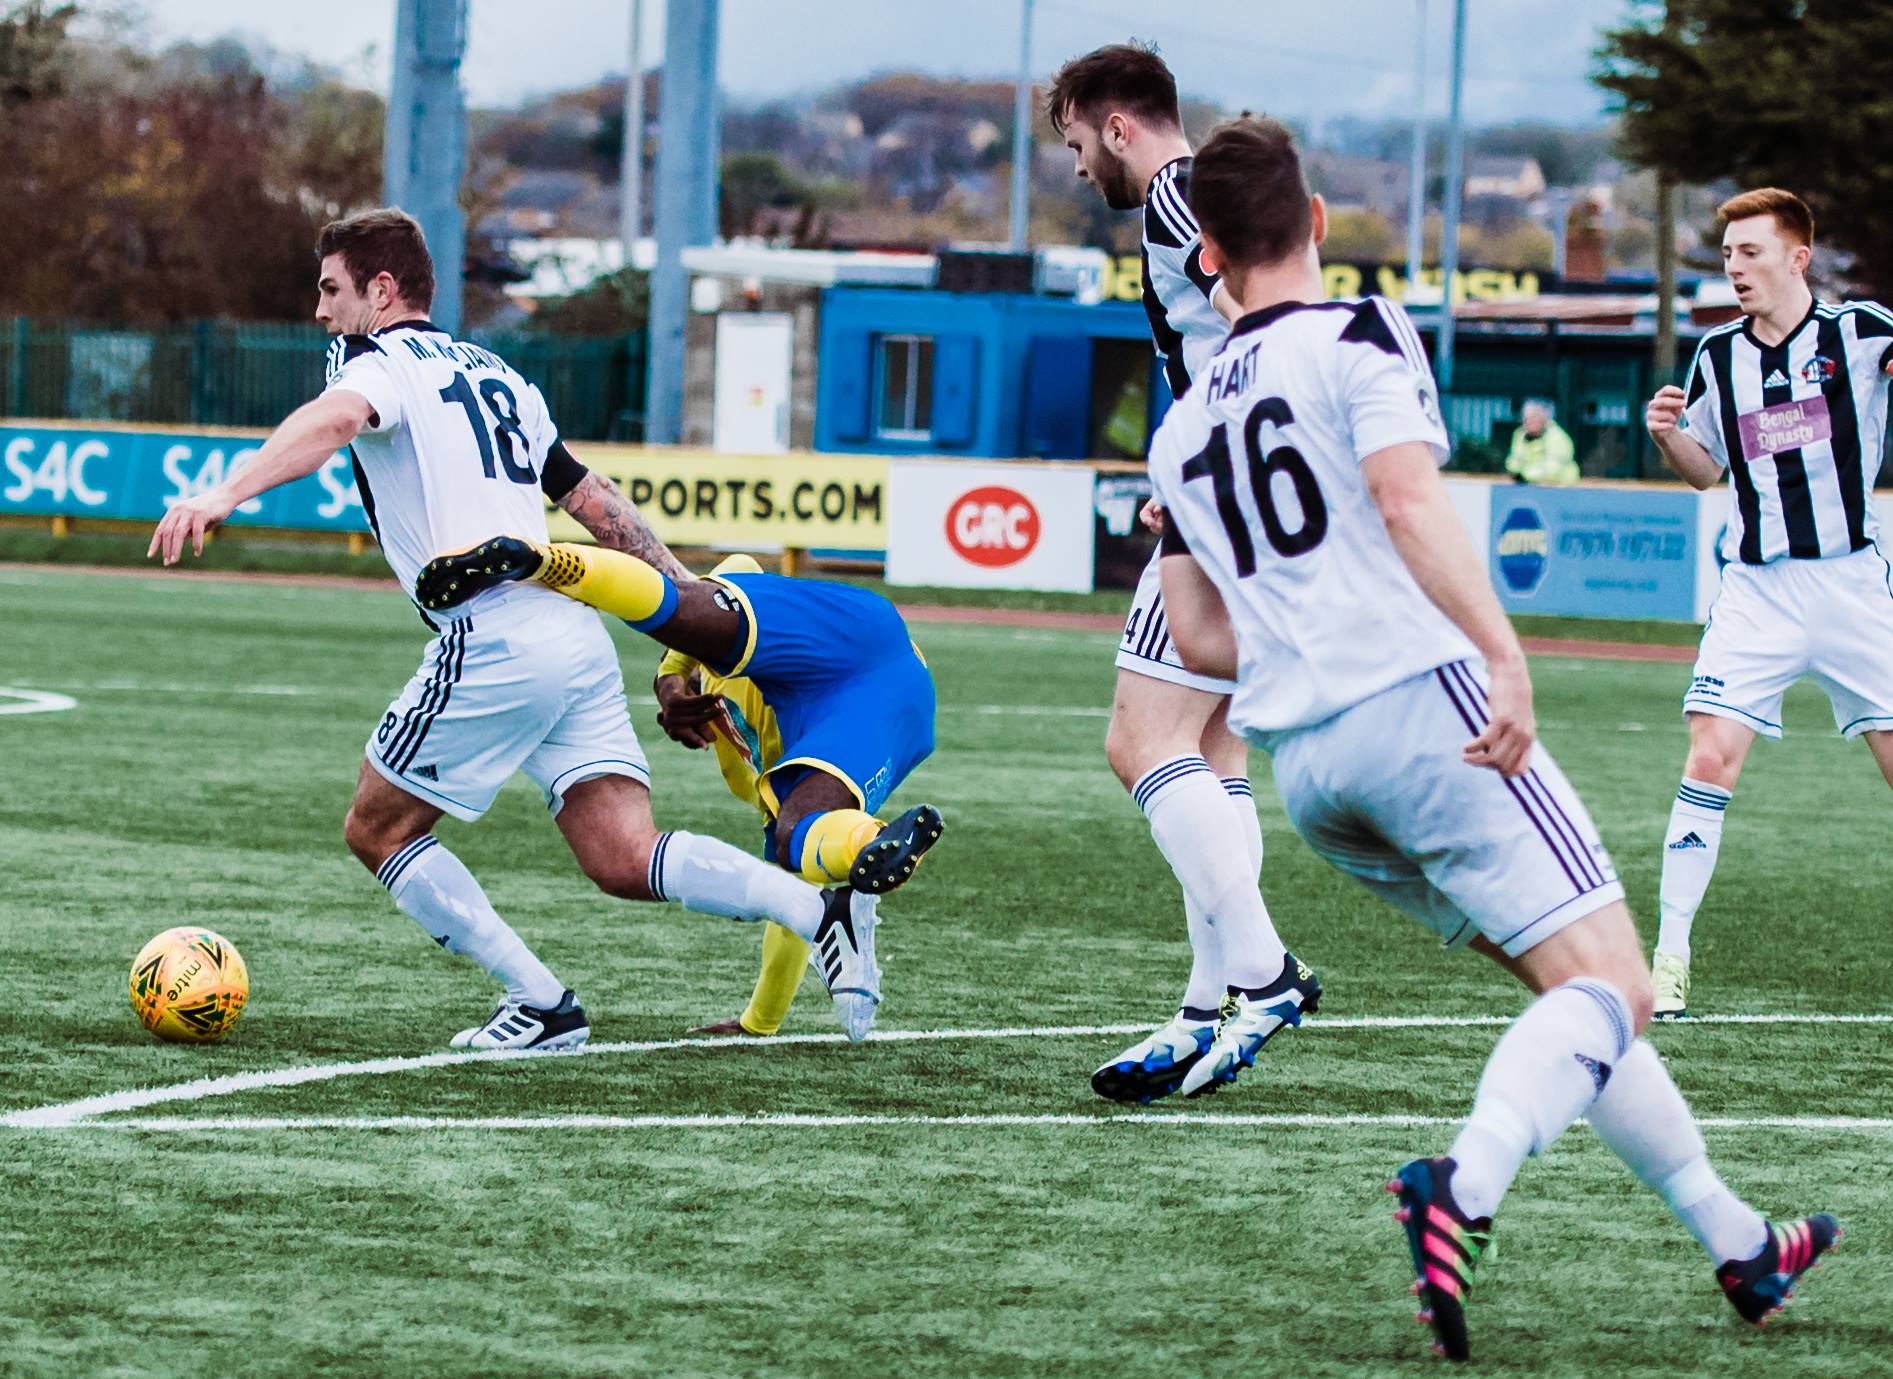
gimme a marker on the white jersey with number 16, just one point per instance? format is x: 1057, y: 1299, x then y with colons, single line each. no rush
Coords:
x: 454, y: 453
x: 1259, y: 469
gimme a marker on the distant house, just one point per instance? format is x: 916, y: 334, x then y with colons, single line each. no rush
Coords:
x: 1501, y: 191
x: 1516, y: 179
x: 539, y: 201
x: 1348, y: 182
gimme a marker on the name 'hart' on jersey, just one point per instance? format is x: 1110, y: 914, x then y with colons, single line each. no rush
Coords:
x: 1259, y: 472
x: 1801, y: 428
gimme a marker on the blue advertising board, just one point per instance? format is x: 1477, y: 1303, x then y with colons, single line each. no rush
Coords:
x: 77, y: 471
x: 1595, y: 552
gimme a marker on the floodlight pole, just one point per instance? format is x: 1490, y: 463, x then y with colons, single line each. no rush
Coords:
x: 424, y: 141
x: 1022, y: 135
x: 1416, y: 173
x: 1455, y: 160
x: 688, y: 144
x: 631, y: 160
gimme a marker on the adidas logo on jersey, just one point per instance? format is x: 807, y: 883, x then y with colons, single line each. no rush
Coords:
x: 430, y: 773
x: 1687, y: 841
x: 1777, y: 379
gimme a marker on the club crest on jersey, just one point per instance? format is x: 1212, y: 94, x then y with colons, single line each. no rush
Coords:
x: 1522, y: 550
x: 1818, y: 369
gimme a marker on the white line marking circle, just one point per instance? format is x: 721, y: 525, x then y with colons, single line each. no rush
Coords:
x: 61, y: 1115
x: 35, y: 701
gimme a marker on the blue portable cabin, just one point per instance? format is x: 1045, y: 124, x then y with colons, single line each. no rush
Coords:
x: 984, y: 374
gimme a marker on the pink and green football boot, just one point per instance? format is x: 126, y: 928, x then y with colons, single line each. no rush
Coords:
x: 1445, y: 1245
x: 1759, y: 1287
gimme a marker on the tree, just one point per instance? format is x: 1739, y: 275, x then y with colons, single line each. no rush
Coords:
x: 611, y: 304
x: 32, y: 46
x: 1791, y: 93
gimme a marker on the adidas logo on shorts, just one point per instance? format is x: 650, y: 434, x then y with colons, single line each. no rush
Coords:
x: 427, y: 773
x: 1687, y: 841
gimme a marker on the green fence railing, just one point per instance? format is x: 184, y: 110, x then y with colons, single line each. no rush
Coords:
x: 223, y: 373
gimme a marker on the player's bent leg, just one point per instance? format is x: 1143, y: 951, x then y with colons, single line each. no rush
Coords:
x: 607, y: 823
x: 387, y: 828
x: 1642, y: 1117
x: 1154, y: 721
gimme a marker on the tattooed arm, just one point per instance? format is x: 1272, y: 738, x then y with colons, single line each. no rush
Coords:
x: 597, y: 505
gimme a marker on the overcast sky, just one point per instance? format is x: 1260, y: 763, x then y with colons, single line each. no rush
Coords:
x: 1525, y: 58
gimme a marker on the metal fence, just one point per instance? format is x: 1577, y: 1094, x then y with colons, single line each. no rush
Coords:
x: 224, y: 373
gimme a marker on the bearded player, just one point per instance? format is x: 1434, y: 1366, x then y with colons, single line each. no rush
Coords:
x: 1311, y: 550
x: 1169, y: 740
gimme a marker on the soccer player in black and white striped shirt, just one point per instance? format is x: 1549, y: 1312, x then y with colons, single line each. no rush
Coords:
x: 1792, y: 401
x: 1169, y: 740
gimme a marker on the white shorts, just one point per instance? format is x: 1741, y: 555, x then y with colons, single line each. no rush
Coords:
x: 1147, y: 648
x: 530, y: 683
x: 1382, y: 793
x: 1772, y: 624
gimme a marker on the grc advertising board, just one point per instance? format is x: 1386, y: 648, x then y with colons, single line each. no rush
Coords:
x: 990, y: 526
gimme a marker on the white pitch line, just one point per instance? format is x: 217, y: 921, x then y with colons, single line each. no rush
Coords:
x: 35, y: 701
x: 797, y: 1121
x: 68, y: 1113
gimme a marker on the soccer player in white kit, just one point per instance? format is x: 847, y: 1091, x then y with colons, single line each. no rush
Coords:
x: 1169, y: 740
x: 450, y: 446
x: 1312, y: 552
x: 1791, y: 401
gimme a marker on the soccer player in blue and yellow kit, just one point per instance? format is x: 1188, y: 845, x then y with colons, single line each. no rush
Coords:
x: 812, y: 693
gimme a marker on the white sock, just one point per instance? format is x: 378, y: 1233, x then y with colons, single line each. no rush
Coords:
x: 710, y: 875
x: 1547, y: 1069
x: 1647, y: 1124
x: 1689, y: 860
x: 434, y: 889
x: 1200, y: 833
x: 1206, y: 986
x: 1242, y: 795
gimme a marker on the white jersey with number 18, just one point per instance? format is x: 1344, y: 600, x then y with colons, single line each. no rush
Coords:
x: 454, y: 453
x: 1259, y: 470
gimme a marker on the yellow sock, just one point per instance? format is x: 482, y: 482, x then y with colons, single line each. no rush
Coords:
x: 783, y: 958
x: 610, y: 581
x: 830, y: 842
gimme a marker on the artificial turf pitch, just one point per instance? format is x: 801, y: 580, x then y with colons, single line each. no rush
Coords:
x: 202, y: 779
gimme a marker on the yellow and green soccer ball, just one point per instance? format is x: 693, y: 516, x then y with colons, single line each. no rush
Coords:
x: 188, y: 985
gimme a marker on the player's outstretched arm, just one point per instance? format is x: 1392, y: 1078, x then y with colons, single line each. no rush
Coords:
x: 1405, y: 484
x: 1686, y: 455
x: 1198, y: 618
x: 298, y: 447
x: 597, y: 505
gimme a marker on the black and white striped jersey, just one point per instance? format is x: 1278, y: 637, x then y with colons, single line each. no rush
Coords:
x: 1801, y: 428
x: 1183, y: 325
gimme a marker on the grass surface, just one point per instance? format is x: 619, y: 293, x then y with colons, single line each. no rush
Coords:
x: 202, y: 779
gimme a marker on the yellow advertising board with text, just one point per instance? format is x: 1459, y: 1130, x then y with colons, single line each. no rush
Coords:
x: 758, y: 502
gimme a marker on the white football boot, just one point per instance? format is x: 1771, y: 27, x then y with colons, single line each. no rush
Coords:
x: 844, y: 957
x: 1249, y: 1022
x: 1155, y: 1065
x: 517, y: 1026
